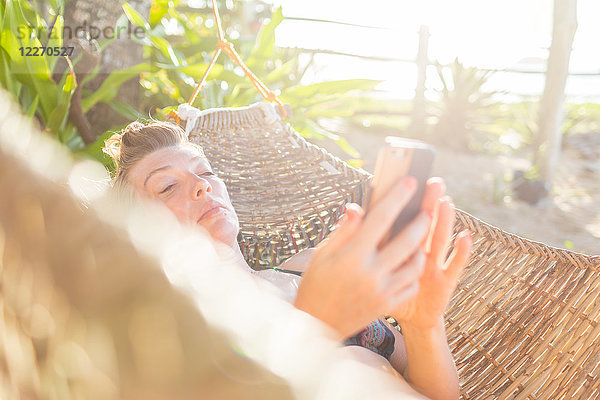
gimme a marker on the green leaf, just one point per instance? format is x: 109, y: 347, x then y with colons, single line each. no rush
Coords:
x: 13, y: 17
x: 246, y: 94
x: 263, y: 49
x: 127, y: 110
x: 33, y: 106
x: 6, y: 79
x: 59, y: 115
x: 56, y: 4
x: 10, y: 42
x: 57, y: 118
x: 70, y: 137
x: 158, y: 10
x: 279, y: 73
x: 135, y: 17
x: 356, y: 162
x: 33, y: 72
x: 109, y: 88
x: 69, y: 85
x: 56, y: 39
x: 307, y: 128
x: 31, y: 15
x: 218, y: 71
x: 165, y: 47
x: 47, y: 91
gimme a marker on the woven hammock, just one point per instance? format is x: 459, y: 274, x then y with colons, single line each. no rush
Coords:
x: 524, y: 321
x: 288, y: 193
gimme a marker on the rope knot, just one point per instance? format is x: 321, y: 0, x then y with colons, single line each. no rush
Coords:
x: 173, y: 116
x: 224, y: 45
x: 271, y: 97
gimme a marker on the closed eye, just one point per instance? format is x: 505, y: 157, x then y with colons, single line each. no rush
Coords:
x: 166, y: 189
x: 206, y: 173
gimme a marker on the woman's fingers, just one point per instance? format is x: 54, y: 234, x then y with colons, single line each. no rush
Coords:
x: 442, y: 232
x: 347, y: 227
x: 382, y: 215
x: 404, y: 281
x: 403, y: 245
x: 460, y: 255
x: 434, y: 189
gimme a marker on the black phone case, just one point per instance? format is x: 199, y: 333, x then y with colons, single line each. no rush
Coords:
x: 420, y: 168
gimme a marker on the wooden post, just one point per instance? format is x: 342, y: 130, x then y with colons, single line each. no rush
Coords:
x: 418, y: 114
x: 551, y: 105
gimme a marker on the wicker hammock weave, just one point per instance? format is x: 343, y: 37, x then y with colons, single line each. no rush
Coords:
x: 524, y: 322
x: 288, y: 193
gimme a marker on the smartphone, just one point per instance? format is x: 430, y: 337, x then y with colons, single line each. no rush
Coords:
x: 399, y: 158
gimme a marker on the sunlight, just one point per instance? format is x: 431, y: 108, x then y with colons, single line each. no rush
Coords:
x: 487, y: 34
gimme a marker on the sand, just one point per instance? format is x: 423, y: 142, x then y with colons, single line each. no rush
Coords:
x: 480, y: 184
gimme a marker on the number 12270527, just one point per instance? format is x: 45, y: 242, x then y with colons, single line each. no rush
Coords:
x: 49, y: 51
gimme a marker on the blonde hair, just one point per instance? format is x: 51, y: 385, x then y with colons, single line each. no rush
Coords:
x: 137, y: 140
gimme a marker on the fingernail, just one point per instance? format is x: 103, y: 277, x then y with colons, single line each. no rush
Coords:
x: 349, y: 206
x: 356, y: 210
x: 465, y: 233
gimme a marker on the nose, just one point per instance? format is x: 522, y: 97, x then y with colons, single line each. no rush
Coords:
x: 200, y: 187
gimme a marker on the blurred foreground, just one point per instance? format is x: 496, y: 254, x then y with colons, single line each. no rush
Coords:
x: 97, y: 301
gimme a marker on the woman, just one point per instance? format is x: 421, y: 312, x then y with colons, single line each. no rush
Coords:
x: 349, y: 280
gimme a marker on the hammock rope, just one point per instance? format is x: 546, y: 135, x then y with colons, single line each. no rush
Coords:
x: 227, y: 47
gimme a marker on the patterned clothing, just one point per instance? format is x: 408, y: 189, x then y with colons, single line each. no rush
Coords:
x: 376, y: 337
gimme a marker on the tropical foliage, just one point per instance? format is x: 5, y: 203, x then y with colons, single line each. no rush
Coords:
x: 178, y: 42
x: 463, y: 104
x: 29, y: 79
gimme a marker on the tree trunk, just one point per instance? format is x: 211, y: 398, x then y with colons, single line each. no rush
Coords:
x: 98, y: 18
x: 418, y: 114
x: 551, y: 105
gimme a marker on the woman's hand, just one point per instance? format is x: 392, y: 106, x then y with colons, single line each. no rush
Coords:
x: 439, y: 278
x: 351, y: 282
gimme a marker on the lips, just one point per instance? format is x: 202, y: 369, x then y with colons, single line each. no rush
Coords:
x: 211, y: 210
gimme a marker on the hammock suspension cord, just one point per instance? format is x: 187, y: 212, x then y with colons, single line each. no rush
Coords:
x: 227, y: 47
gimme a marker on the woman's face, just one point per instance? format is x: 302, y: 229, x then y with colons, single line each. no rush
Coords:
x: 183, y: 180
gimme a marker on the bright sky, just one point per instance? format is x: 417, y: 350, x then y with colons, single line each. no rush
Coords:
x: 484, y: 33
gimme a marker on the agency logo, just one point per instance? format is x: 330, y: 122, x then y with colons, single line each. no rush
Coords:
x: 88, y: 31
